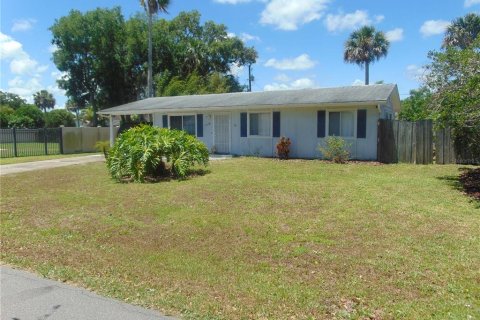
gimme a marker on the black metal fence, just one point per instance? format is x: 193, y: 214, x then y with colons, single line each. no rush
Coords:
x: 30, y: 142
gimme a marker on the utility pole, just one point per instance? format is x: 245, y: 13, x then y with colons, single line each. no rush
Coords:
x: 250, y: 77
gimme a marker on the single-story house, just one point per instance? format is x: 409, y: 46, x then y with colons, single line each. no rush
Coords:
x: 250, y: 123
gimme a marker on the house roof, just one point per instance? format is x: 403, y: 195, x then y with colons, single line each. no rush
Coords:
x: 353, y: 95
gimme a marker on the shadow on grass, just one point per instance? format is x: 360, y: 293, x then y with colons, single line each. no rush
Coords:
x: 468, y: 181
x: 168, y: 176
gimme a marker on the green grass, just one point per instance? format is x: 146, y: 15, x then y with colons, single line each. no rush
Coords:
x: 25, y: 149
x: 41, y: 158
x: 256, y: 239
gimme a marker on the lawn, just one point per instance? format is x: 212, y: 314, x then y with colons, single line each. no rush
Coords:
x: 256, y: 239
x: 41, y: 158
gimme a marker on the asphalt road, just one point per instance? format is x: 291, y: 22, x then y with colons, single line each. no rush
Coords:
x: 26, y: 296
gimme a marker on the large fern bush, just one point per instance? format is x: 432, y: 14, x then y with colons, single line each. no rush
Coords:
x: 147, y: 152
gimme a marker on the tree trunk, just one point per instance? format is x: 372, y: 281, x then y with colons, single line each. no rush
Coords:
x: 150, y: 71
x: 367, y: 73
x: 94, y: 108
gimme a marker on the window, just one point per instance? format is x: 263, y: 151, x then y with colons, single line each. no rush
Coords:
x: 340, y: 124
x: 260, y: 124
x: 186, y: 123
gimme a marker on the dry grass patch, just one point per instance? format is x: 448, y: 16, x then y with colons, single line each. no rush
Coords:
x: 255, y: 238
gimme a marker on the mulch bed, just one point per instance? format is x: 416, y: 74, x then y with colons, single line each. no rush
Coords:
x: 470, y: 180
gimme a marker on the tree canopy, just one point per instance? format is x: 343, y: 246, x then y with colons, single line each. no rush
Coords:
x: 462, y: 32
x: 104, y: 56
x: 453, y: 77
x: 44, y: 100
x: 415, y: 107
x: 365, y: 46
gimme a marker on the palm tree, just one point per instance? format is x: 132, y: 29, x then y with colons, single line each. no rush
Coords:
x: 152, y: 7
x: 44, y: 100
x: 364, y: 47
x: 462, y: 31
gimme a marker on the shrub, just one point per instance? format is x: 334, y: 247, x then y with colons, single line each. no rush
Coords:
x: 59, y: 117
x: 283, y: 148
x: 149, y: 152
x: 32, y: 112
x: 335, y: 149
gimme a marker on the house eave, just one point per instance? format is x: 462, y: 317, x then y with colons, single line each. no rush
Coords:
x: 244, y: 107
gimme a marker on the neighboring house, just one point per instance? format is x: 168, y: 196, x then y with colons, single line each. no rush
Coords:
x: 250, y: 123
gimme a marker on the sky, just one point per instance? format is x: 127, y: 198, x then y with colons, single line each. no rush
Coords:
x: 300, y: 42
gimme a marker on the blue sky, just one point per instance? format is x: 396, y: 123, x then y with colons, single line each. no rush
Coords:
x: 300, y: 43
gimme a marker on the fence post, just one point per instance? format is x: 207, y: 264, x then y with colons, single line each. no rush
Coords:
x: 14, y: 131
x: 45, y: 140
x: 60, y: 139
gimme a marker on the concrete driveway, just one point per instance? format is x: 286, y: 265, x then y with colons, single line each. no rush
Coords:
x: 25, y: 296
x: 47, y: 164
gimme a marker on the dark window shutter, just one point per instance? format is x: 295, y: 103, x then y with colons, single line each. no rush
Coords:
x: 276, y: 124
x: 361, y: 123
x: 243, y: 124
x: 321, y: 124
x: 165, y: 121
x: 199, y: 125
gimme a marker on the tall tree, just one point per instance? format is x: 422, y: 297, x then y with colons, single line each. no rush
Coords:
x: 91, y: 52
x: 72, y: 106
x: 44, y: 100
x: 454, y: 78
x: 152, y: 7
x: 365, y: 46
x: 462, y: 32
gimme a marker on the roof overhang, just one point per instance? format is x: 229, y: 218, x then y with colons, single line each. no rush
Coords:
x: 245, y: 107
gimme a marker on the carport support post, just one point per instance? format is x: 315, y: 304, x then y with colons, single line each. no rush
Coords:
x: 111, y: 131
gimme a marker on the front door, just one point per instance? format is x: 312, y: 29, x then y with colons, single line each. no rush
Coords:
x: 221, y: 141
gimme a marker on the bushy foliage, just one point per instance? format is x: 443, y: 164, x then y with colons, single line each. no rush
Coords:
x: 283, y: 148
x: 32, y: 112
x: 20, y: 121
x: 335, y: 149
x: 5, y: 113
x: 147, y: 152
x: 59, y: 117
x: 415, y: 107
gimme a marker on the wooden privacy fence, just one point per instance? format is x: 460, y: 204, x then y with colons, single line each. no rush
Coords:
x: 414, y: 142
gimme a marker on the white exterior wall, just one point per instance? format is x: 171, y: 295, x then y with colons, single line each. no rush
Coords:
x: 298, y: 124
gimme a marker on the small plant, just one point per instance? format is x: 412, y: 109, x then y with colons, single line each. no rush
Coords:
x: 335, y: 149
x: 103, y: 146
x: 283, y: 148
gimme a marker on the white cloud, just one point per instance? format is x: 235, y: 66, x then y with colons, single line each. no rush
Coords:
x: 302, y: 83
x: 394, y: 35
x: 379, y: 18
x: 52, y: 48
x: 23, y: 25
x: 469, y: 3
x: 20, y: 62
x: 416, y: 73
x: 289, y: 15
x: 231, y: 1
x: 433, y: 27
x: 24, y: 88
x: 282, y: 78
x: 236, y: 69
x: 248, y: 37
x: 358, y: 82
x: 9, y: 48
x: 349, y: 21
x: 302, y: 62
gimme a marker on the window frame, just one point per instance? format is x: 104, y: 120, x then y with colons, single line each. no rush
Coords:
x: 194, y: 115
x: 270, y: 113
x: 354, y: 129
